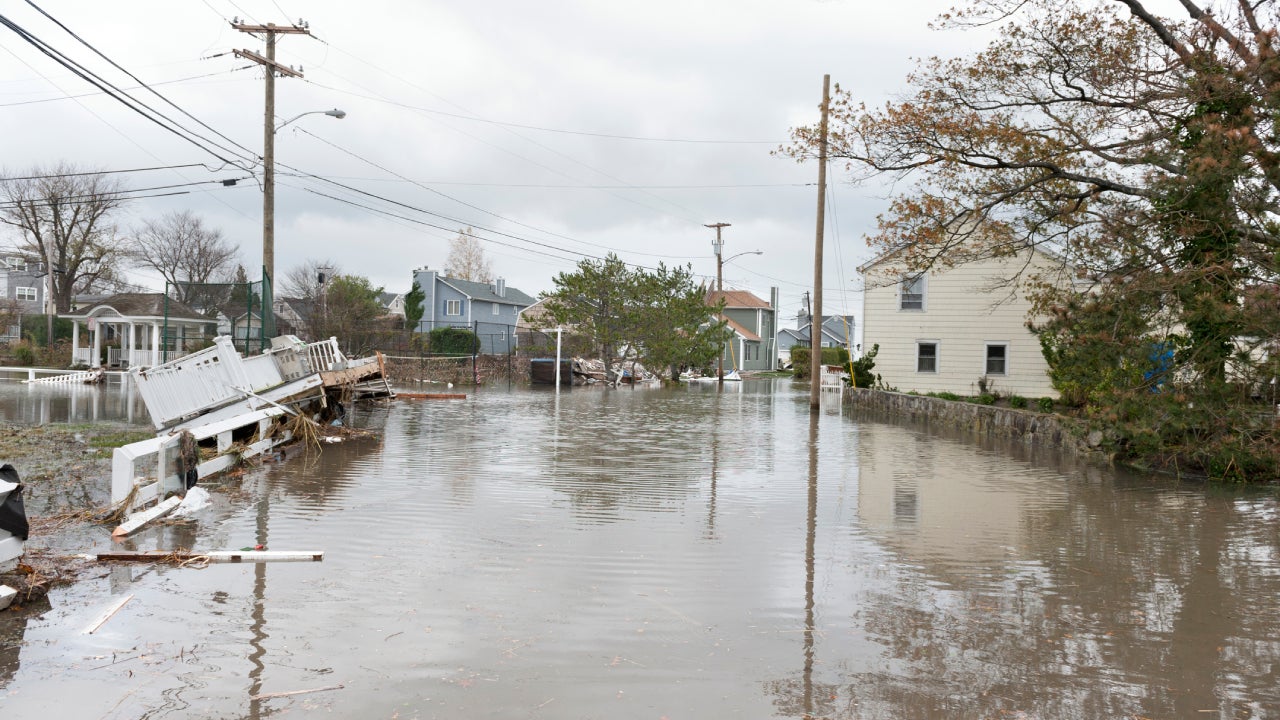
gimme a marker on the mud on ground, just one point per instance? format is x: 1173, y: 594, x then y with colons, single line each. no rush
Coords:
x: 66, y: 477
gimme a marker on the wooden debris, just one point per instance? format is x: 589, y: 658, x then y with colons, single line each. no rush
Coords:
x: 138, y: 520
x: 265, y: 696
x: 215, y: 556
x: 102, y: 619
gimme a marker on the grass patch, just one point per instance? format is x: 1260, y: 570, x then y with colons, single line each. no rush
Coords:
x: 117, y: 439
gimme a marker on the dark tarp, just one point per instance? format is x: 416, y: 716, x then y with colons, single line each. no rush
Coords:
x: 13, y: 514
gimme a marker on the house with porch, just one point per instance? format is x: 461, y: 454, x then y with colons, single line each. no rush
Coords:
x: 490, y: 310
x: 136, y: 330
x: 944, y: 329
x: 753, y: 346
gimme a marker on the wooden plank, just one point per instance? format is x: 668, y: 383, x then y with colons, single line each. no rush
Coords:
x: 216, y: 556
x: 431, y: 396
x: 105, y: 616
x: 139, y: 520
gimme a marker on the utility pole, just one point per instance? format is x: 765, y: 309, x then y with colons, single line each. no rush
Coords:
x: 269, y: 132
x: 718, y: 245
x: 815, y: 319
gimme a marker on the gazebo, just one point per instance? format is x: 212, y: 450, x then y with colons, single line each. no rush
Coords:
x: 150, y: 329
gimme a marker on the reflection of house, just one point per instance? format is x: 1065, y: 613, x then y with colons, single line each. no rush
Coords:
x: 837, y: 331
x: 753, y: 321
x: 944, y: 329
x: 21, y: 290
x: 490, y: 311
x: 941, y: 504
x: 136, y: 329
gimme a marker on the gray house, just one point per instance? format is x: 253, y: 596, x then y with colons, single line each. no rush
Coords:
x: 488, y: 310
x: 753, y: 322
x: 837, y: 331
x: 21, y: 288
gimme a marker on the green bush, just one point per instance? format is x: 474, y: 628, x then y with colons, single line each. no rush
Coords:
x: 944, y: 395
x: 24, y: 354
x: 454, y: 341
x: 860, y: 370
x: 1017, y: 402
x: 1045, y: 404
x: 830, y: 356
x: 985, y: 399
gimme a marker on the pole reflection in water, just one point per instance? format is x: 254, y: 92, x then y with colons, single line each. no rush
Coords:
x: 810, y: 544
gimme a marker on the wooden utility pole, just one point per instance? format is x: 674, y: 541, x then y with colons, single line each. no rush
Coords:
x: 718, y: 245
x: 815, y: 319
x: 269, y: 132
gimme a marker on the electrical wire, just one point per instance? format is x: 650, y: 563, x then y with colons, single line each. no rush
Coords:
x: 110, y: 172
x: 135, y: 87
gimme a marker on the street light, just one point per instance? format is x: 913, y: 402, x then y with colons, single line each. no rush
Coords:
x: 269, y: 192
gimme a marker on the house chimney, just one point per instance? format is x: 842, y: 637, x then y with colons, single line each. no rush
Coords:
x: 500, y: 287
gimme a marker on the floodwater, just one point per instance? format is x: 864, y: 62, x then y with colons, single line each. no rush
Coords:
x: 673, y: 554
x: 39, y: 404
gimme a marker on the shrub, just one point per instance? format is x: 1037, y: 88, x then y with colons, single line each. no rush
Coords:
x: 1045, y: 404
x: 985, y: 399
x: 1017, y: 402
x: 860, y: 370
x: 454, y: 341
x: 944, y: 395
x: 830, y: 356
x: 24, y: 354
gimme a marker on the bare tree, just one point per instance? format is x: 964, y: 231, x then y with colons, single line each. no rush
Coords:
x: 184, y: 251
x: 307, y: 281
x: 64, y: 215
x: 466, y: 259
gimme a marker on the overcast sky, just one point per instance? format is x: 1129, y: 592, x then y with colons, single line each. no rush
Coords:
x: 560, y: 130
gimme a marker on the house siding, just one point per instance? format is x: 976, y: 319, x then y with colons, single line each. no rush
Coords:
x: 964, y: 310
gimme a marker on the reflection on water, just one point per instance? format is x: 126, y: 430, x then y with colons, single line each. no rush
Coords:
x: 688, y: 553
x: 42, y: 404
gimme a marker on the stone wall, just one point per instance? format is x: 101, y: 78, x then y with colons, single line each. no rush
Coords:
x: 981, y: 421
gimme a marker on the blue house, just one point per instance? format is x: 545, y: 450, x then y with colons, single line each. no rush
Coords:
x: 488, y: 310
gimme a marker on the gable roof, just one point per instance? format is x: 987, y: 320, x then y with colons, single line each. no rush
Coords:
x: 737, y: 299
x: 484, y: 291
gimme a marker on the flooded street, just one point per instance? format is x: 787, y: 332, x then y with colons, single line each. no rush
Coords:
x: 679, y: 553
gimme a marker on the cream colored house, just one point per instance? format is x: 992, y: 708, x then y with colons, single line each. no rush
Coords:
x: 943, y: 330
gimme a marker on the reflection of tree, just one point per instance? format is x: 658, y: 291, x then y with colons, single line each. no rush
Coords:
x: 1120, y: 610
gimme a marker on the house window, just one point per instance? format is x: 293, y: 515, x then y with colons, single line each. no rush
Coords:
x: 452, y: 307
x: 16, y: 263
x: 911, y: 293
x: 27, y: 293
x: 496, y: 309
x: 927, y: 357
x: 997, y: 358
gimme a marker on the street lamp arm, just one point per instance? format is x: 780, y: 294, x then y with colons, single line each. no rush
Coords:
x: 747, y: 252
x: 336, y: 113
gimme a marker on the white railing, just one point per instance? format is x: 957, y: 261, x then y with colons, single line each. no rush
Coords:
x: 81, y: 356
x: 324, y: 356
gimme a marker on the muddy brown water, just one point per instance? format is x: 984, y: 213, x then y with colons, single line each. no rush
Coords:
x: 678, y: 553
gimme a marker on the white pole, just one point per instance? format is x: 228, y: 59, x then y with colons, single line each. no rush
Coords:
x: 557, y: 361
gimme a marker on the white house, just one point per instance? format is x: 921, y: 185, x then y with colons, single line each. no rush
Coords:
x: 942, y: 330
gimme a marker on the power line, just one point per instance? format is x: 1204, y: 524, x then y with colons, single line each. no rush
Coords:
x: 108, y: 172
x: 136, y: 79
x: 114, y: 92
x: 134, y: 87
x: 540, y: 128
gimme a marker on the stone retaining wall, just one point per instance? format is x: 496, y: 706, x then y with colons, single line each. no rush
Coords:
x: 982, y: 421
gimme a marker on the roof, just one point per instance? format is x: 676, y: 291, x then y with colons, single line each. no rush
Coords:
x: 141, y: 305
x: 484, y: 291
x: 386, y: 298
x: 737, y: 299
